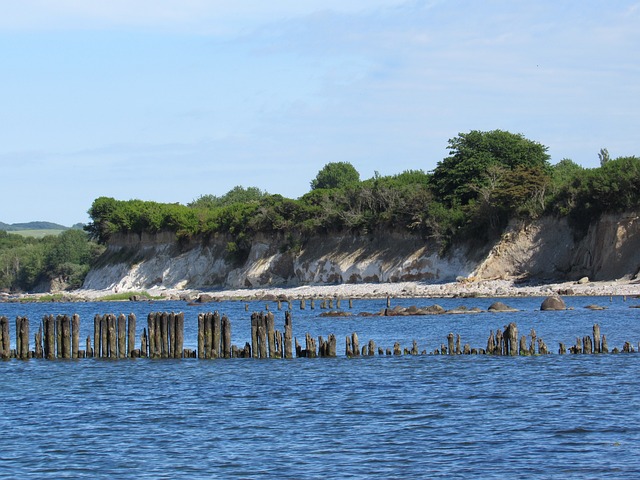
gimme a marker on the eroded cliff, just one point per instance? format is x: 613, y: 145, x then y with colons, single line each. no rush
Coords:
x: 545, y: 249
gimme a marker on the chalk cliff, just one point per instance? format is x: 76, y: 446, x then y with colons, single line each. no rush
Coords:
x: 544, y: 250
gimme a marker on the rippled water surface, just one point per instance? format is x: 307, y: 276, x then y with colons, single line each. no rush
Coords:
x: 423, y: 417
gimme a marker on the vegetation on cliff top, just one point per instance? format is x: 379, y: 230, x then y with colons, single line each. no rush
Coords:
x: 487, y: 179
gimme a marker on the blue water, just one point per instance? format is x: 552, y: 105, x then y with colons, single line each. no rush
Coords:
x: 386, y: 417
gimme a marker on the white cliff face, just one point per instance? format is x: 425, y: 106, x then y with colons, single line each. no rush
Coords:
x: 545, y: 249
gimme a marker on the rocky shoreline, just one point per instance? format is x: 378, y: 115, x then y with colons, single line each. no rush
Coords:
x: 463, y: 288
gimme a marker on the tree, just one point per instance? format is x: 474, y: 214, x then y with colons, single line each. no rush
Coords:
x: 603, y: 155
x: 458, y: 178
x: 237, y: 194
x: 335, y: 175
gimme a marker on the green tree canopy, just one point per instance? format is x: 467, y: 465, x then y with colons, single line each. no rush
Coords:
x: 335, y: 175
x: 457, y: 179
x: 237, y: 194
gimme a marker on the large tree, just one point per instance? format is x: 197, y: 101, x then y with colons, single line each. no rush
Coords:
x: 458, y: 178
x: 335, y: 175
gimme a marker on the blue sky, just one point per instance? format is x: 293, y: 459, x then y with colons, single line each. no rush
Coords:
x: 168, y: 100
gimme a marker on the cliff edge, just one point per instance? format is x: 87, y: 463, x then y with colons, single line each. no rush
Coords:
x: 543, y: 250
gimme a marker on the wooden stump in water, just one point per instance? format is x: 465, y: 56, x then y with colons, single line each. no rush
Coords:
x: 49, y: 337
x: 96, y: 335
x: 112, y: 342
x: 38, y: 341
x: 131, y: 334
x: 299, y: 352
x: 532, y: 345
x: 262, y: 336
x: 122, y: 336
x: 597, y: 347
x: 371, y: 351
x: 458, y: 350
x: 587, y: 345
x: 151, y: 331
x: 271, y: 334
x: 104, y: 336
x: 397, y: 350
x: 5, y: 343
x: 144, y: 345
x: 288, y: 334
x: 89, y: 350
x: 450, y: 344
x: 332, y: 341
x: 164, y: 334
x: 302, y: 304
x: 75, y: 335
x: 414, y: 348
x: 605, y: 346
x: 523, y: 346
x: 217, y: 335
x: 22, y: 338
x: 491, y: 344
x: 179, y: 341
x: 511, y: 341
x: 226, y: 337
x: 65, y: 335
x: 348, y: 350
x: 350, y: 303
x: 355, y: 344
x: 58, y: 330
x: 562, y: 349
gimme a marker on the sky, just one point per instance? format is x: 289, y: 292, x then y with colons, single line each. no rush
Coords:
x: 168, y: 100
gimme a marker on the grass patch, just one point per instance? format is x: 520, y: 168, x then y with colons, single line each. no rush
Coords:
x: 125, y: 296
x: 37, y: 233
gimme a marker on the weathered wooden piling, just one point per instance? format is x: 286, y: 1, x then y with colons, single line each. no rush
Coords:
x: 151, y: 331
x: 605, y: 346
x: 49, y: 337
x: 597, y: 346
x: 458, y: 350
x: 491, y: 344
x: 144, y: 344
x: 75, y: 336
x: 511, y: 340
x: 38, y: 342
x: 65, y: 324
x: 104, y: 336
x: 348, y: 349
x: 89, y: 350
x: 532, y: 345
x: 262, y: 336
x: 179, y: 340
x: 450, y: 344
x: 523, y: 346
x: 113, y: 336
x: 397, y: 350
x: 58, y: 330
x: 122, y: 338
x: 271, y: 334
x: 226, y: 336
x: 22, y: 338
x: 288, y: 334
x: 5, y: 339
x: 131, y: 333
x: 216, y: 327
x: 371, y: 351
x: 350, y: 303
x: 355, y: 344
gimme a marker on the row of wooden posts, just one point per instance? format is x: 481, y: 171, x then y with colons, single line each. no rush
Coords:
x: 163, y: 337
x: 324, y: 304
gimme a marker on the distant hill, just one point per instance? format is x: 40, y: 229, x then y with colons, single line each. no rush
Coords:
x: 16, y: 227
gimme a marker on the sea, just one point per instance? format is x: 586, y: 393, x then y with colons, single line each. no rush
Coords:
x: 423, y: 416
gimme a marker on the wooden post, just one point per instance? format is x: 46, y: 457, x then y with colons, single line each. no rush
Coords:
x: 262, y: 336
x: 605, y: 346
x: 144, y: 343
x: 312, y: 304
x: 172, y: 329
x: 201, y: 335
x: 65, y: 323
x: 588, y: 345
x: 372, y: 348
x: 96, y: 335
x: 75, y: 335
x: 113, y: 336
x: 38, y: 340
x: 179, y: 343
x: 226, y: 336
x: 104, y: 336
x: 50, y: 337
x: 332, y: 343
x: 348, y: 350
x: 89, y: 350
x: 208, y: 334
x: 302, y: 304
x: 491, y: 344
x: 279, y: 345
x: 532, y: 345
x: 131, y: 334
x: 5, y: 346
x: 271, y: 335
x: 310, y: 346
x: 388, y: 301
x: 355, y: 344
x: 458, y: 351
x: 523, y: 345
x: 255, y: 349
x: 59, y: 346
x: 397, y: 350
x: 351, y: 303
x: 122, y: 336
x: 511, y: 340
x: 288, y: 334
x: 22, y: 338
x: 164, y: 334
x: 450, y: 344
x: 597, y: 348
x: 151, y: 333
x: 217, y: 335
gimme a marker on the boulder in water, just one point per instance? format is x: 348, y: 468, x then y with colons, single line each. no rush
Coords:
x: 553, y: 302
x: 501, y: 307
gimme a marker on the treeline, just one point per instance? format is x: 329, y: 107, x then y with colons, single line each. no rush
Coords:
x: 26, y: 262
x: 487, y: 179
